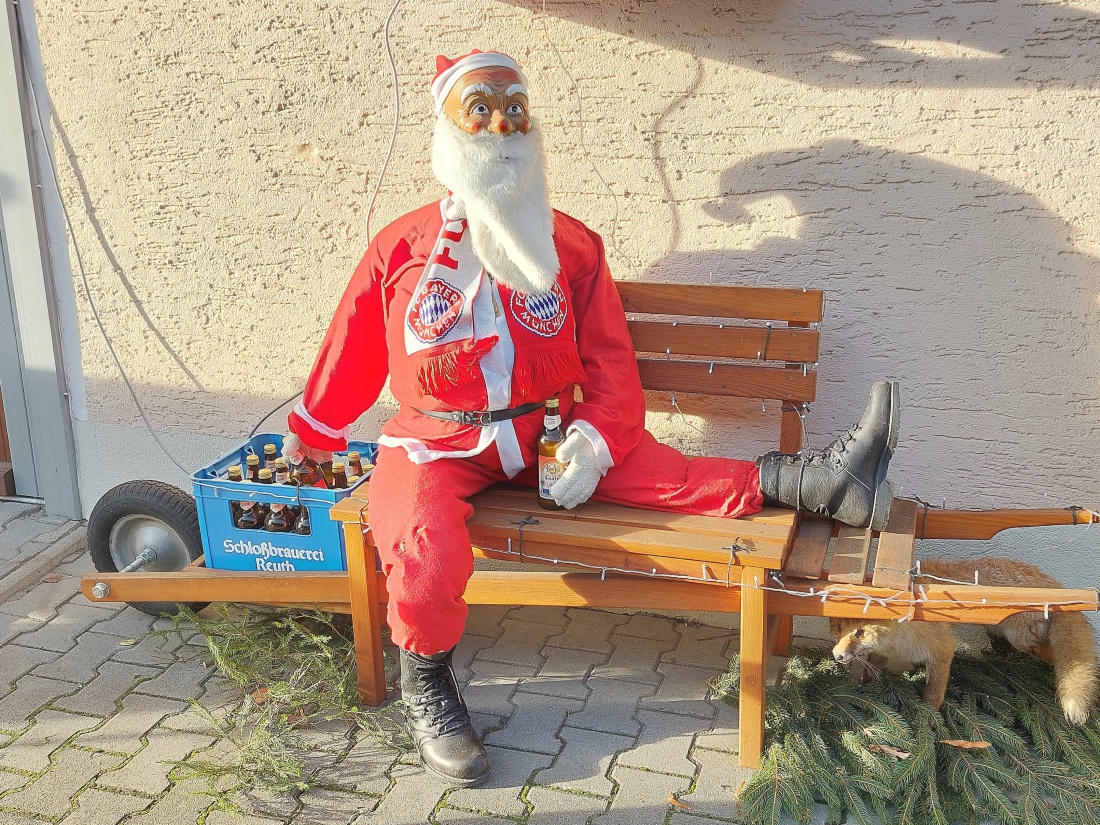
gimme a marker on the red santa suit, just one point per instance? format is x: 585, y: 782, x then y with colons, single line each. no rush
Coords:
x: 421, y: 310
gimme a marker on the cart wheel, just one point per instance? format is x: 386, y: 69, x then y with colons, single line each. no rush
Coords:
x: 138, y: 515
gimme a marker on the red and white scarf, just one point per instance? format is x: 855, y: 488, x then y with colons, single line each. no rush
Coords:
x: 439, y: 322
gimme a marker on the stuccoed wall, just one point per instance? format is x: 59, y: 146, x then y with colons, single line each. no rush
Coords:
x: 933, y: 167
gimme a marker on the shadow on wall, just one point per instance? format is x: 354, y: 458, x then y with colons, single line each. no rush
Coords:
x: 968, y: 291
x: 868, y: 43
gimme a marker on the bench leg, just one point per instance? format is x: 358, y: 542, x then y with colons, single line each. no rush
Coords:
x: 366, y: 616
x: 754, y: 665
x: 780, y: 631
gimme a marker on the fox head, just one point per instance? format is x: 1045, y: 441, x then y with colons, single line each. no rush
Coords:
x: 856, y: 637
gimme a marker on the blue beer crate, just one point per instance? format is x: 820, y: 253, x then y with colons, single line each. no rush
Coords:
x: 228, y: 547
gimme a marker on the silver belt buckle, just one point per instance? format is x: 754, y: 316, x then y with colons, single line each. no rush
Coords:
x: 477, y: 419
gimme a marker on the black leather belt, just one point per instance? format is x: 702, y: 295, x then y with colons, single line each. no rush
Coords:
x: 481, y: 419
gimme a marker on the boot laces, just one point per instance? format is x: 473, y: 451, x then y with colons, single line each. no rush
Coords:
x: 439, y: 701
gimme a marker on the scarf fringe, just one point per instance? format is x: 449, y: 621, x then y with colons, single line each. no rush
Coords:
x: 548, y: 370
x: 451, y: 367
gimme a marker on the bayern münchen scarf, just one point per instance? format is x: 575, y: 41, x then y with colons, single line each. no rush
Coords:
x: 439, y: 323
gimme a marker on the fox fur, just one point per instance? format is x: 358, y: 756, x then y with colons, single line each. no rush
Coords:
x: 1065, y: 640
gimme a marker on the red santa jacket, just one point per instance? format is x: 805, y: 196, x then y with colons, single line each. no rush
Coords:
x: 367, y: 341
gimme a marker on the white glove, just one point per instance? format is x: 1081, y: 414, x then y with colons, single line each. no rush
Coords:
x: 294, y: 451
x: 580, y: 478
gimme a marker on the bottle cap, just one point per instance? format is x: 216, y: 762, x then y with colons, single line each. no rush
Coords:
x: 280, y: 464
x: 251, y: 459
x: 353, y: 479
x: 269, y: 449
x: 337, y: 466
x: 552, y: 402
x: 265, y: 473
x: 234, y: 468
x: 353, y: 454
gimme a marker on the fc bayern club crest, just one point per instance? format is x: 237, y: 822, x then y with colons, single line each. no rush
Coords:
x: 542, y: 314
x: 435, y: 310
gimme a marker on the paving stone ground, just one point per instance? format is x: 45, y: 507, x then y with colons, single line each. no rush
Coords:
x: 589, y: 716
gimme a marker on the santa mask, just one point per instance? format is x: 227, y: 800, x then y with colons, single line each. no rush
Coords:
x: 488, y: 151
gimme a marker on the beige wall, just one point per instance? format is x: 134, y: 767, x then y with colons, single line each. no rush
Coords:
x: 933, y: 167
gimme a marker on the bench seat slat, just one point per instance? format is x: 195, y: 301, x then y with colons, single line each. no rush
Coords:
x: 493, y: 528
x: 849, y: 563
x: 756, y: 303
x: 811, y: 545
x: 894, y: 559
x: 783, y: 344
x: 734, y: 380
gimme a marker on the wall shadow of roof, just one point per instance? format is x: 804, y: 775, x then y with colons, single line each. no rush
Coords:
x: 1006, y: 44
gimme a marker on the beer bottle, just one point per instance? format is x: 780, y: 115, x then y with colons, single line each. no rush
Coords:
x: 282, y: 475
x: 270, y: 455
x: 234, y: 474
x: 277, y: 520
x: 301, y: 524
x: 550, y: 469
x: 355, y: 464
x: 252, y: 467
x: 308, y: 474
x: 339, y: 476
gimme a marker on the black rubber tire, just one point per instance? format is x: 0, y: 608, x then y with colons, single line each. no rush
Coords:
x: 155, y: 499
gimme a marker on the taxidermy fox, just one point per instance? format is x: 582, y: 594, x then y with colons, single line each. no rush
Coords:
x: 1065, y: 640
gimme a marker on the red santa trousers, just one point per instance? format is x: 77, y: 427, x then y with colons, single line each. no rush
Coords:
x: 418, y: 516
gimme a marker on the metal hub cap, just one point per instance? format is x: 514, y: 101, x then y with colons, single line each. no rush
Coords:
x: 132, y: 534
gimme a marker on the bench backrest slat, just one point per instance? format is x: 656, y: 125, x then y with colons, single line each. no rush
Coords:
x: 735, y: 380
x: 780, y: 344
x: 704, y: 300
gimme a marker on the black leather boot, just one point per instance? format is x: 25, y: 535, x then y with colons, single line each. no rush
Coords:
x: 439, y: 721
x: 847, y: 480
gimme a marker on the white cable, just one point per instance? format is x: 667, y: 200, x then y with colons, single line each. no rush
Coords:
x: 396, y: 116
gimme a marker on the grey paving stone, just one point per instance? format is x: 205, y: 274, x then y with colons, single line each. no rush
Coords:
x: 81, y: 662
x: 128, y: 623
x: 724, y: 731
x: 9, y: 818
x: 364, y: 769
x: 333, y: 735
x: 555, y: 807
x: 520, y: 643
x: 582, y: 765
x: 29, y: 694
x: 485, y: 619
x: 634, y: 659
x: 19, y: 660
x: 42, y: 600
x: 413, y: 797
x: 11, y: 510
x: 60, y: 632
x: 12, y: 626
x: 469, y: 646
x: 534, y: 723
x: 701, y: 646
x: 267, y: 806
x: 611, y: 707
x: 655, y: 628
x: 180, y: 806
x: 327, y: 807
x: 147, y: 772
x: 683, y: 690
x: 218, y: 700
x: 182, y: 680
x: 234, y: 818
x: 24, y: 529
x: 492, y: 686
x: 122, y: 733
x: 642, y: 797
x: 99, y: 696
x: 511, y: 771
x: 589, y: 630
x: 484, y: 723
x: 51, y: 728
x: 76, y: 565
x: 96, y: 807
x: 449, y: 815
x: 541, y: 614
x: 564, y: 672
x: 717, y: 783
x: 52, y: 793
x: 664, y: 744
x: 11, y: 781
x: 154, y: 651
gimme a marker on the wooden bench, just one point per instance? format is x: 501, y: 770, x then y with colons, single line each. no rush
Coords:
x: 718, y: 341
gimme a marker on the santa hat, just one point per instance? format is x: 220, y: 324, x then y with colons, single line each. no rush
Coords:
x: 447, y: 71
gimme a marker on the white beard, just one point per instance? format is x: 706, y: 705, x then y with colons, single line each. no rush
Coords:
x: 502, y: 182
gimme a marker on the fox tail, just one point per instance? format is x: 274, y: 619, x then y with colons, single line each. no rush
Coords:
x: 1073, y: 654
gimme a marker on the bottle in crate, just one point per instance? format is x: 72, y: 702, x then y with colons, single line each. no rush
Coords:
x: 277, y: 519
x: 301, y: 524
x: 339, y: 476
x: 235, y: 474
x: 355, y: 464
x: 251, y: 467
x: 309, y: 474
x: 270, y: 456
x: 282, y: 474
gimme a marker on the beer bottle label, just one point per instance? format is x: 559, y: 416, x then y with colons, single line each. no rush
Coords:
x: 276, y: 508
x: 247, y: 505
x: 551, y: 422
x: 550, y: 470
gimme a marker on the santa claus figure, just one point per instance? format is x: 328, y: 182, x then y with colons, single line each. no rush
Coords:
x: 479, y: 307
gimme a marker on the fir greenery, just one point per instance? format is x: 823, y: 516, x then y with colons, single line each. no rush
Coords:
x: 877, y: 754
x: 294, y: 669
